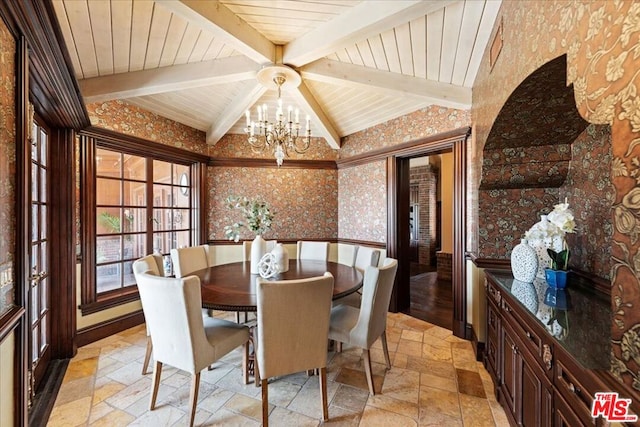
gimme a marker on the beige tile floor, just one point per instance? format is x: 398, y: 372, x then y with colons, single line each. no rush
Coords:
x: 434, y: 381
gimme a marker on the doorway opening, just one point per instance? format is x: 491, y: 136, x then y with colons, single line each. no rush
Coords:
x: 431, y: 194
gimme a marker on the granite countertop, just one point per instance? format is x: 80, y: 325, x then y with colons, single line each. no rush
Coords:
x: 578, y: 321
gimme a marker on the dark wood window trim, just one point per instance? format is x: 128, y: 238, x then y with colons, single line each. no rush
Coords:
x: 90, y: 138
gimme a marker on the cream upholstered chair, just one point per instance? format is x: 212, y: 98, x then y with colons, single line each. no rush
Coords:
x: 185, y: 339
x: 187, y: 260
x: 246, y: 248
x: 293, y: 323
x: 318, y: 251
x: 364, y: 258
x: 150, y: 264
x: 362, y: 327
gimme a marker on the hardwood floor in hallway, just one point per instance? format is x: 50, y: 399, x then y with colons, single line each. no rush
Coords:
x: 431, y: 299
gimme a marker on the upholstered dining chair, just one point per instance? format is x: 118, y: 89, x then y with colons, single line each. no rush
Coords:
x: 365, y: 257
x: 293, y: 326
x: 150, y: 264
x: 318, y: 251
x: 362, y: 327
x: 185, y: 339
x: 187, y: 260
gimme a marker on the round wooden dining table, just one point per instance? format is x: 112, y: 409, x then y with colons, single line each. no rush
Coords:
x: 232, y: 287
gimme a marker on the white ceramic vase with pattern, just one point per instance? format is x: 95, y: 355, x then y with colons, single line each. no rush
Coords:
x: 258, y: 249
x: 541, y: 246
x: 524, y: 262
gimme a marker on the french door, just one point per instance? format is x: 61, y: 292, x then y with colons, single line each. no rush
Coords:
x: 39, y: 290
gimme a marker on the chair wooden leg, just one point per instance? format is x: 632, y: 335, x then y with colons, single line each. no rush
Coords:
x: 237, y: 317
x: 368, y: 371
x: 157, y: 373
x: 385, y: 349
x: 193, y: 398
x: 338, y: 347
x: 323, y: 393
x: 245, y: 362
x: 265, y: 403
x: 147, y: 356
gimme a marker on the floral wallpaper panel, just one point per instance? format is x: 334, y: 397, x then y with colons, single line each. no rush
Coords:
x: 7, y: 168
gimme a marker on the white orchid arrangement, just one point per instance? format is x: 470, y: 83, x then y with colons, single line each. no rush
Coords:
x: 559, y: 222
x: 257, y: 213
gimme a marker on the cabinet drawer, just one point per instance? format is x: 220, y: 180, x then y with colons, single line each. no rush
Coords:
x: 533, y: 336
x: 564, y: 416
x: 572, y: 388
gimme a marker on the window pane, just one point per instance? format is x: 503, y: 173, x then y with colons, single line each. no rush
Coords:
x: 161, y: 219
x: 34, y: 182
x: 134, y: 220
x: 135, y: 167
x: 107, y: 163
x: 180, y: 219
x: 108, y: 220
x: 44, y: 302
x: 134, y: 246
x: 34, y: 343
x: 134, y: 194
x: 108, y: 192
x: 162, y: 195
x: 108, y: 249
x: 181, y: 197
x: 180, y: 170
x: 43, y: 147
x: 182, y: 239
x: 43, y: 336
x: 43, y: 185
x: 43, y: 258
x: 34, y: 303
x: 161, y: 172
x: 108, y: 277
x: 129, y: 278
x: 43, y: 222
x: 34, y: 143
x: 34, y: 222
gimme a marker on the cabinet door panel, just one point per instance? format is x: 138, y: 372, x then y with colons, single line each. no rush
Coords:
x: 536, y: 394
x: 510, y: 369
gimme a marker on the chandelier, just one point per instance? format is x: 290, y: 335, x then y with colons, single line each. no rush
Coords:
x: 283, y: 134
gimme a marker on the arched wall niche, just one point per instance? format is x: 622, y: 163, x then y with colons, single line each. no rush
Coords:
x: 529, y: 144
x: 540, y: 150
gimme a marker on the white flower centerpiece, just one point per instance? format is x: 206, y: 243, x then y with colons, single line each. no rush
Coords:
x: 550, y: 234
x: 259, y: 217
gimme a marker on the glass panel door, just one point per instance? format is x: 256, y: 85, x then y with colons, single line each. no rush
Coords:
x: 39, y: 290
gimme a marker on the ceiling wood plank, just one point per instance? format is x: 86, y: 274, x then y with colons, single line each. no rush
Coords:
x: 482, y: 39
x: 377, y: 50
x: 354, y: 55
x: 391, y: 50
x: 419, y: 46
x: 157, y: 35
x: 310, y: 105
x: 435, y: 23
x: 202, y: 45
x: 365, y: 54
x: 439, y: 93
x: 468, y: 31
x: 450, y: 36
x: 121, y: 33
x: 175, y: 34
x: 140, y: 25
x: 405, y: 53
x: 80, y: 24
x: 356, y: 24
x: 234, y: 112
x: 146, y: 82
x: 187, y: 44
x: 68, y: 36
x: 100, y: 15
x: 216, y: 18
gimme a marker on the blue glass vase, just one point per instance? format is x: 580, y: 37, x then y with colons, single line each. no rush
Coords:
x: 556, y: 278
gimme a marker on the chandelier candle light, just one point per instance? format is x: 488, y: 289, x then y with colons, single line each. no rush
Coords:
x: 283, y: 135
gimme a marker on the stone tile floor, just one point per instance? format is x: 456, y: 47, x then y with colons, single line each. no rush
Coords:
x: 434, y: 381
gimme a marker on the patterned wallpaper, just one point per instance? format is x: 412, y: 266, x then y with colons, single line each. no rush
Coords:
x: 363, y: 196
x: 305, y: 201
x: 419, y: 124
x: 233, y: 145
x: 120, y: 116
x: 602, y: 43
x: 7, y: 168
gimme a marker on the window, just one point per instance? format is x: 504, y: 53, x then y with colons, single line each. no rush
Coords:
x: 135, y: 201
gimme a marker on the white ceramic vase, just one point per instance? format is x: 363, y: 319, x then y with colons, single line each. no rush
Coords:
x: 282, y: 257
x: 541, y: 246
x: 258, y: 249
x: 524, y: 262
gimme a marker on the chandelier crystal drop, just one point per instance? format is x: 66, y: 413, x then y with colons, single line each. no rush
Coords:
x: 283, y: 134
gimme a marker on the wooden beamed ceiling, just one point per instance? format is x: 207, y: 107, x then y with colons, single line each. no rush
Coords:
x: 196, y: 62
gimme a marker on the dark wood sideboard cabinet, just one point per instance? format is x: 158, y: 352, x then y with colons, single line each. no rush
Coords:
x: 544, y: 358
